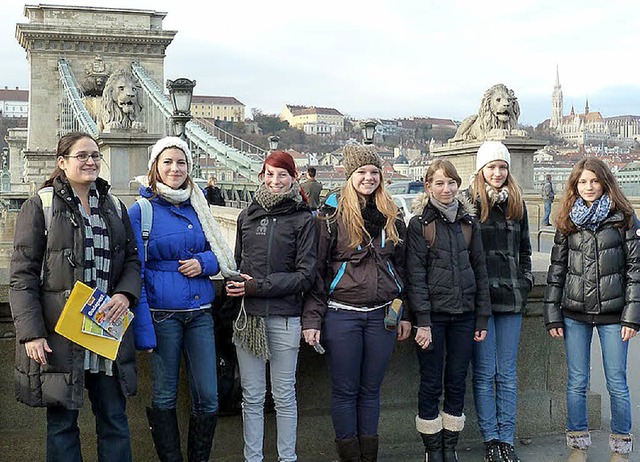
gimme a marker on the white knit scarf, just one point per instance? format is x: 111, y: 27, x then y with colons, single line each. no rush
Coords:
x: 209, y: 225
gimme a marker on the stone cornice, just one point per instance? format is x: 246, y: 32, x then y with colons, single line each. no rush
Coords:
x: 47, y: 38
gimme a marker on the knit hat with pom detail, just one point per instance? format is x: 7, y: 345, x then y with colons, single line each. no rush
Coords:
x: 356, y: 155
x: 171, y: 142
x: 490, y: 151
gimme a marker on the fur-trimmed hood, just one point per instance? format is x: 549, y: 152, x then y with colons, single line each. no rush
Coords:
x: 422, y: 199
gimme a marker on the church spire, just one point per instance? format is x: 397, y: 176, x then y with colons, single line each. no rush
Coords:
x: 586, y: 106
x: 556, y: 103
x: 557, y: 78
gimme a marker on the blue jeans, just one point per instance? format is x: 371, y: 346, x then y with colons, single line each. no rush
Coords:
x: 109, y: 406
x: 453, y: 334
x: 283, y: 337
x: 547, y: 212
x: 495, y: 381
x: 577, y: 340
x: 188, y: 333
x: 358, y: 352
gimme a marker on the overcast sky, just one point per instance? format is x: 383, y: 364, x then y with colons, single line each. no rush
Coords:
x: 390, y: 58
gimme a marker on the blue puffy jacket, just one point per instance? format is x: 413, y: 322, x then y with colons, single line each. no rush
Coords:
x: 176, y: 234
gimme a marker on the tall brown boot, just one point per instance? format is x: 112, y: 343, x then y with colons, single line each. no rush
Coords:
x: 368, y: 448
x: 348, y: 450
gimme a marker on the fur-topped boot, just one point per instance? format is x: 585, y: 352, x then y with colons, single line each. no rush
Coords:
x: 621, y: 446
x: 451, y: 427
x: 431, y: 433
x: 579, y: 442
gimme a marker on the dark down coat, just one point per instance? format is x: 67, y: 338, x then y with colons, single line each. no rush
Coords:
x: 594, y: 277
x: 450, y: 277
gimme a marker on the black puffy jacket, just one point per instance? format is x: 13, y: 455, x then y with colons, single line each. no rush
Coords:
x: 277, y: 249
x: 507, y: 250
x: 594, y: 277
x: 36, y: 306
x: 448, y: 277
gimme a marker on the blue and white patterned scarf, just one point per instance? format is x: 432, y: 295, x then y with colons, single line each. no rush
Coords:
x: 590, y: 217
x: 97, y: 266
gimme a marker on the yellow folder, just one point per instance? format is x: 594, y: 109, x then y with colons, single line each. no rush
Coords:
x: 70, y: 324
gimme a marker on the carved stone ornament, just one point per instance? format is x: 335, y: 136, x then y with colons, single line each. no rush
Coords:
x: 97, y: 73
x: 497, y: 117
x: 120, y: 106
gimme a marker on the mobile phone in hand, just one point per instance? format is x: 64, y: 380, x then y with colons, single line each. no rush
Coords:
x: 319, y: 349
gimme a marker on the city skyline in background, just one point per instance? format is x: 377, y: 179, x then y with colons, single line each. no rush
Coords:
x: 389, y: 60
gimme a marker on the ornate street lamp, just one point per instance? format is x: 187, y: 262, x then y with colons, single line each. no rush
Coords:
x: 368, y: 131
x: 181, y: 93
x: 273, y: 142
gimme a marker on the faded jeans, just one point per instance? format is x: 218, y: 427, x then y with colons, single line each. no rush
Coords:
x: 283, y: 336
x: 495, y: 386
x: 188, y: 334
x: 577, y: 340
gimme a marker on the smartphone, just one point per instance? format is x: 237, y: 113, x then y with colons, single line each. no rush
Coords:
x: 319, y: 349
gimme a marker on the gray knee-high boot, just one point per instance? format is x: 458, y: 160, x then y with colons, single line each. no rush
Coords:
x: 165, y: 433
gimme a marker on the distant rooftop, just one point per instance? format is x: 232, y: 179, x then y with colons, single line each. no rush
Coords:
x: 16, y: 94
x: 229, y: 100
x: 303, y: 110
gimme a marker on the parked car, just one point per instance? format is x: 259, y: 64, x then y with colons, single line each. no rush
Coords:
x: 405, y: 187
x: 404, y: 201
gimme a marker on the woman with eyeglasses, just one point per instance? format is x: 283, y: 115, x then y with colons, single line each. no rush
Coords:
x: 88, y: 239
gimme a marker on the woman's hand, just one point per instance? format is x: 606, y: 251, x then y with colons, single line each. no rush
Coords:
x: 404, y: 330
x: 628, y: 333
x: 37, y: 350
x: 557, y: 332
x: 115, y: 308
x: 190, y: 268
x: 311, y: 336
x: 480, y: 335
x: 423, y: 337
x: 236, y: 289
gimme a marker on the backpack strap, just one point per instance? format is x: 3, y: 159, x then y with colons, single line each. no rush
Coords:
x: 116, y: 204
x: 46, y: 196
x: 146, y: 221
x: 429, y: 232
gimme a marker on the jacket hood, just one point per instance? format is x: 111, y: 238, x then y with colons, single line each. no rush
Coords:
x: 467, y: 207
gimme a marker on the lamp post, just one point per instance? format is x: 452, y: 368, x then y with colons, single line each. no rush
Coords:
x: 181, y: 93
x: 273, y: 142
x: 368, y: 131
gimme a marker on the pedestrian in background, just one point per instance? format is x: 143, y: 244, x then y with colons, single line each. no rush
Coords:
x: 88, y: 239
x: 213, y: 192
x: 312, y: 189
x: 594, y: 282
x: 183, y: 249
x: 504, y: 226
x: 449, y: 300
x: 276, y: 254
x: 548, y: 195
x: 360, y: 273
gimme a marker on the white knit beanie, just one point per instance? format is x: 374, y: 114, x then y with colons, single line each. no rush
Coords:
x: 490, y: 151
x: 171, y: 142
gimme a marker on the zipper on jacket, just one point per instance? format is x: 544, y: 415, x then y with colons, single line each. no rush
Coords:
x: 269, y: 244
x: 597, y: 263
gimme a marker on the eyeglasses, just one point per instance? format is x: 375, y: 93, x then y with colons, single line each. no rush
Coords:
x: 84, y: 156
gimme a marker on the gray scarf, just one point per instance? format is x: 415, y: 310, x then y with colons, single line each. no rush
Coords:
x: 450, y: 211
x: 268, y: 200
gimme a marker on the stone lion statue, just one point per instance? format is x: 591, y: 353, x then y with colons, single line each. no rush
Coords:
x: 120, y: 108
x: 499, y: 110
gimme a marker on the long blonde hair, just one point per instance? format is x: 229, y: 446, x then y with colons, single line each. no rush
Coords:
x: 515, y: 204
x: 349, y: 210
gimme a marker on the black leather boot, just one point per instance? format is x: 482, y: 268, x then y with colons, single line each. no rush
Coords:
x: 201, y: 430
x: 451, y: 428
x: 431, y: 433
x: 348, y: 450
x: 432, y: 446
x: 368, y: 448
x: 165, y: 433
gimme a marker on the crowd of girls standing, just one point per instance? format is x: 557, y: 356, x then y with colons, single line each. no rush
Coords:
x: 337, y: 280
